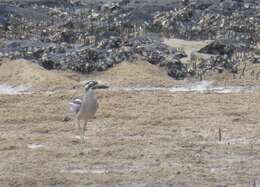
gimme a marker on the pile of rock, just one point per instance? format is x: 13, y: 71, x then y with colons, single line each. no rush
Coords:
x: 220, y: 56
x: 155, y: 52
x: 236, y: 21
x: 108, y: 51
x: 89, y: 35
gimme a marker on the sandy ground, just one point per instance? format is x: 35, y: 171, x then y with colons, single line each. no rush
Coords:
x: 139, y: 138
x: 22, y: 72
x: 134, y: 74
x: 188, y: 46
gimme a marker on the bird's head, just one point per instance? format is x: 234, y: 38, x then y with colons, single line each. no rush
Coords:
x: 90, y: 84
x: 94, y: 85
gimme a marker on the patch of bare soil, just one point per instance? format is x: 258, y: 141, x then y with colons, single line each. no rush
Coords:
x: 139, y: 138
x: 188, y: 46
x: 23, y: 72
x: 134, y: 74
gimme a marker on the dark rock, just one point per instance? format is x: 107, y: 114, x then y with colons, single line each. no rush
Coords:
x: 218, y: 48
x: 66, y: 119
x: 218, y: 63
x: 91, y: 35
x: 180, y: 54
x: 4, y: 23
x: 256, y: 60
x: 48, y: 64
x: 175, y: 68
x: 48, y: 3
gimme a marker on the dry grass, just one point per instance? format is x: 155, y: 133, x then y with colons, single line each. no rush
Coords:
x: 138, y: 138
x: 251, y: 76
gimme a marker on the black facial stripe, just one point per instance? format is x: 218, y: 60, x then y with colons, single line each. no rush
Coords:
x: 91, y: 83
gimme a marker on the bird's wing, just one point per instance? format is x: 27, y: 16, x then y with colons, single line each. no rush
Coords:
x: 75, y: 105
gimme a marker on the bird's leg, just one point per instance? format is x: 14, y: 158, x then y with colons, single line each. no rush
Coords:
x: 84, y: 129
x: 80, y: 132
x: 79, y: 125
x: 81, y: 137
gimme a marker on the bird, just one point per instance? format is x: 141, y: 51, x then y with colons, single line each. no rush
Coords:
x: 86, y: 107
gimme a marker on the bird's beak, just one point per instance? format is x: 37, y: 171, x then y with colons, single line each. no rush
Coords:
x: 101, y: 86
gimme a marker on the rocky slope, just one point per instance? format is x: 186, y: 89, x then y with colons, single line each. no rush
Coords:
x: 87, y: 36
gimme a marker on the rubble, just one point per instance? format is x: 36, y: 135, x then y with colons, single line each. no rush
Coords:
x: 218, y: 48
x: 220, y: 64
x: 109, y: 50
x: 175, y: 68
x: 86, y: 36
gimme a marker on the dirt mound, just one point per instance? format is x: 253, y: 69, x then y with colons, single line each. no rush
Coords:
x: 125, y: 74
x: 23, y: 72
x: 134, y: 74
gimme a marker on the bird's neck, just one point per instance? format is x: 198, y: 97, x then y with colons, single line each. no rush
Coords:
x: 90, y: 92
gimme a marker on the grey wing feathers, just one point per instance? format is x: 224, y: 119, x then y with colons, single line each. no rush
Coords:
x: 75, y: 105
